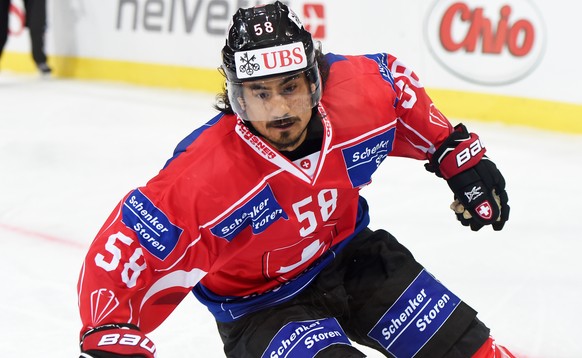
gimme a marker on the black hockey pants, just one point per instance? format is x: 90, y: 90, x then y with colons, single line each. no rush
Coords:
x: 352, y: 297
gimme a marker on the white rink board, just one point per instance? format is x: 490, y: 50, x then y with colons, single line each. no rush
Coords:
x: 534, y: 53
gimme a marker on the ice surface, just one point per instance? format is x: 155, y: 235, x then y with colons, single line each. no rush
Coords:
x: 69, y: 150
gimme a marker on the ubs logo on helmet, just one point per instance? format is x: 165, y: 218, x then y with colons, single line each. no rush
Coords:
x: 270, y: 61
x: 248, y: 64
x: 490, y: 42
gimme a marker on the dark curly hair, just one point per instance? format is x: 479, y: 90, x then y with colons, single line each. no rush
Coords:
x: 223, y: 104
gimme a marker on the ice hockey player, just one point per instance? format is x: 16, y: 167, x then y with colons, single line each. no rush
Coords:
x: 259, y: 214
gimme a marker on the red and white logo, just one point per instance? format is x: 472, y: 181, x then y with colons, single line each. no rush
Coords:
x: 471, y: 152
x: 306, y: 164
x: 124, y: 342
x: 16, y: 23
x: 491, y: 42
x: 484, y: 210
x: 255, y: 142
x: 436, y: 117
x: 314, y: 19
x: 103, y: 302
x: 270, y: 61
x: 282, y: 264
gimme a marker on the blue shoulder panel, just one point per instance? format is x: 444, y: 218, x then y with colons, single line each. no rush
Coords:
x: 185, y: 143
x: 331, y: 58
x: 382, y: 60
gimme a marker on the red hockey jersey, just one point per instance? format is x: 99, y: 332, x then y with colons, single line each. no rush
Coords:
x: 232, y: 219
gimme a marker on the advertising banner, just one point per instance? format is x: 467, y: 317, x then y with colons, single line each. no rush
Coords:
x: 523, y: 49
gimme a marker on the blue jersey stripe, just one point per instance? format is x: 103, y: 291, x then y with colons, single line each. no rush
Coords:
x: 186, y: 142
x: 382, y: 60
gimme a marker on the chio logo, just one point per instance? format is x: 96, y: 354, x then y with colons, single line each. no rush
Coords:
x: 489, y: 42
x: 517, y: 37
x: 16, y: 18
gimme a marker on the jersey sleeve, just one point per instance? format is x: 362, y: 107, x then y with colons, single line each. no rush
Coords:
x: 421, y: 127
x: 141, y: 265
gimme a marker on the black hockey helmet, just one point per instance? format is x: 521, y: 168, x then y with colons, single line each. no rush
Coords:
x: 267, y: 41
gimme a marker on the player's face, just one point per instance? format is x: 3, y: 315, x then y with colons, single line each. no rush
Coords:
x: 279, y: 109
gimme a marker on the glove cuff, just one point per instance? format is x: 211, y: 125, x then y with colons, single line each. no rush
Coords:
x: 460, y: 151
x: 116, y: 340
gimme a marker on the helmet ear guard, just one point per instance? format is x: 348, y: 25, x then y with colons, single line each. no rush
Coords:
x: 263, y: 42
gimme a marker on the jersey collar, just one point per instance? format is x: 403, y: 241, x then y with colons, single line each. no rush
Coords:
x: 267, y: 152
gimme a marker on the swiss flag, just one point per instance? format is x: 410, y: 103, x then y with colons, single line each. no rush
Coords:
x: 485, y: 210
x: 314, y: 19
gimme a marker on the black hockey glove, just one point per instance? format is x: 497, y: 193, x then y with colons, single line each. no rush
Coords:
x: 479, y: 187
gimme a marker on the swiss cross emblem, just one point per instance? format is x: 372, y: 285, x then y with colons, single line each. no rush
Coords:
x: 314, y: 19
x: 306, y: 164
x: 484, y: 210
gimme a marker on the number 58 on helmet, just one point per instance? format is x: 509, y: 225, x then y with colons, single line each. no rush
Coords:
x: 266, y: 42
